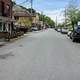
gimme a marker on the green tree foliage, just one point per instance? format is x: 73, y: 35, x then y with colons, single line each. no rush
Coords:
x: 33, y: 11
x: 72, y: 14
x: 23, y: 7
x: 47, y: 20
x: 60, y: 25
x: 78, y: 15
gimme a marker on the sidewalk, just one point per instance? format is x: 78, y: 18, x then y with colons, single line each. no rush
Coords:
x: 2, y: 42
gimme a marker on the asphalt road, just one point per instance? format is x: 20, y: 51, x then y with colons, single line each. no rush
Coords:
x: 43, y: 55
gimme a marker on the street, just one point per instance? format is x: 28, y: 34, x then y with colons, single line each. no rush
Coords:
x: 43, y: 55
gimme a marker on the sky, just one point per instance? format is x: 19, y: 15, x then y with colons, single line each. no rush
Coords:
x: 51, y: 8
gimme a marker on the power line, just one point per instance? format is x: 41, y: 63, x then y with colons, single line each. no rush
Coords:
x: 24, y: 2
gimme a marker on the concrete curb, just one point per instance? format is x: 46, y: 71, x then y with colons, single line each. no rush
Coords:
x: 2, y: 44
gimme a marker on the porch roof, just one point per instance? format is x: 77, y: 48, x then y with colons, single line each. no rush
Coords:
x: 5, y: 19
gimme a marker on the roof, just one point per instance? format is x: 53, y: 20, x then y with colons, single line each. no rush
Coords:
x: 18, y: 8
x: 21, y: 14
x: 19, y: 11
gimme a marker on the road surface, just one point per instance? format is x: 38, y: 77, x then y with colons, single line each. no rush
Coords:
x: 43, y: 55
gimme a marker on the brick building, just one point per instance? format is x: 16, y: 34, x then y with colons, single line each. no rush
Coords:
x: 6, y: 16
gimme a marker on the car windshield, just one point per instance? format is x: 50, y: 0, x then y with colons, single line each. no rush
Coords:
x: 39, y: 39
x: 78, y: 27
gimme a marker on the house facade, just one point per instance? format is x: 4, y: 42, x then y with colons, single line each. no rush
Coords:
x: 37, y: 22
x: 22, y: 16
x: 6, y: 16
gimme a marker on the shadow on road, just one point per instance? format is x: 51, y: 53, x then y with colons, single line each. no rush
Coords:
x: 5, y: 56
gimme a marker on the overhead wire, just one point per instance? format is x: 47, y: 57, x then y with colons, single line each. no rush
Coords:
x: 23, y: 2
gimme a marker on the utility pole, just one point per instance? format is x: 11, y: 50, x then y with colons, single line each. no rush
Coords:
x: 42, y: 17
x: 31, y: 10
x: 31, y: 6
x: 56, y: 22
x: 65, y: 18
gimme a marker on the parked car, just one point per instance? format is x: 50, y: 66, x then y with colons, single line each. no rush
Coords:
x: 55, y: 29
x: 34, y: 29
x: 64, y: 31
x: 58, y: 30
x: 75, y: 35
x: 69, y: 33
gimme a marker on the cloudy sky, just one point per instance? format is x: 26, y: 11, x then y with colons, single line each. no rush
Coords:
x: 51, y: 8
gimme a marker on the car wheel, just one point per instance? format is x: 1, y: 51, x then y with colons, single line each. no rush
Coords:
x: 70, y: 37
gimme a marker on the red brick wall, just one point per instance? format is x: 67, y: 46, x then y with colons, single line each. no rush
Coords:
x: 7, y: 2
x: 0, y: 9
x: 7, y: 7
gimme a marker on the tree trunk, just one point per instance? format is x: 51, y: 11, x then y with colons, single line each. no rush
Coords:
x: 72, y: 25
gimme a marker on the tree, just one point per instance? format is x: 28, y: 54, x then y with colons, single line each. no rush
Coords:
x: 33, y: 11
x: 46, y: 19
x: 72, y: 14
x: 13, y: 3
x: 78, y: 15
x: 60, y: 25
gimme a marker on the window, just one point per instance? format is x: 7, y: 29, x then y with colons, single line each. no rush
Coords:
x: 16, y: 18
x: 0, y: 26
x: 4, y: 27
